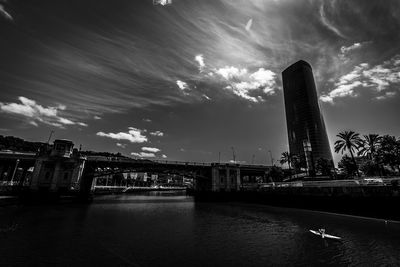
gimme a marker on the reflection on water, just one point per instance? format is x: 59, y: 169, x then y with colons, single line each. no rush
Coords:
x: 170, y: 229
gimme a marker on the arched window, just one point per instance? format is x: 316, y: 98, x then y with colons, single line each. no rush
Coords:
x: 47, y: 176
x: 66, y: 176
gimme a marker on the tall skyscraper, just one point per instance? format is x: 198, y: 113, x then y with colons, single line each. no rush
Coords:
x: 305, y: 125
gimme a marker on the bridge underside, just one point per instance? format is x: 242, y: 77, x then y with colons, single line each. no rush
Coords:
x: 21, y: 169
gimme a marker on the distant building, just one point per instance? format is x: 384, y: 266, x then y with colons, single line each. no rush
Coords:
x: 305, y: 125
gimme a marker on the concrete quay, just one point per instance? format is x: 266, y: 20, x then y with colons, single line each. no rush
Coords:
x: 374, y: 200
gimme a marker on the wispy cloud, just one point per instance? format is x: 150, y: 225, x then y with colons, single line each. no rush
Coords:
x: 157, y: 133
x: 162, y: 2
x: 121, y: 145
x: 200, y: 60
x: 244, y: 84
x: 377, y: 79
x: 327, y: 22
x: 151, y: 149
x: 206, y: 96
x: 386, y: 95
x: 133, y: 135
x: 248, y: 25
x: 147, y: 152
x: 3, y: 13
x: 230, y: 72
x: 36, y: 113
x: 346, y: 50
x: 183, y: 86
x: 143, y: 154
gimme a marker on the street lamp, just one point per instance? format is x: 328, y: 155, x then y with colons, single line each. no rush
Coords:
x: 270, y: 155
x: 15, y: 170
x: 233, y: 154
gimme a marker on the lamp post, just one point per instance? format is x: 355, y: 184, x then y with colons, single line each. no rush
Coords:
x: 51, y: 134
x: 233, y: 154
x: 15, y: 170
x: 270, y: 155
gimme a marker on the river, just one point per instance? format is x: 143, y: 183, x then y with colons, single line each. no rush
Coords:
x: 171, y: 229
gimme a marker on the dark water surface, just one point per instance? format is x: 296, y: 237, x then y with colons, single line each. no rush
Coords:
x: 169, y: 229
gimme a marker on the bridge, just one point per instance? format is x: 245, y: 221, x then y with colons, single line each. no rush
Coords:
x: 60, y: 168
x: 206, y: 176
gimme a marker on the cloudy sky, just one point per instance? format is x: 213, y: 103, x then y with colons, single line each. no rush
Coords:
x: 189, y: 80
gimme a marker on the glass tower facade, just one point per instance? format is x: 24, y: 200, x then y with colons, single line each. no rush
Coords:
x: 305, y: 124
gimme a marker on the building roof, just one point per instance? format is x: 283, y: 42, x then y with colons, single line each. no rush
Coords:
x: 296, y: 65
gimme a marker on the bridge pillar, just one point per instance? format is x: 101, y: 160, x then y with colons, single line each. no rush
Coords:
x: 215, y: 179
x: 86, y: 187
x: 233, y: 177
x: 237, y: 178
x: 225, y: 178
x: 54, y: 179
x: 34, y: 186
x: 228, y: 180
x: 23, y: 177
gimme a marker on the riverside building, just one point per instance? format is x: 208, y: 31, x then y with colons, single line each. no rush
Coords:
x: 305, y: 124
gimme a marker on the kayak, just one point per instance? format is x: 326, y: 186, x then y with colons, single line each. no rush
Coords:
x: 325, y: 235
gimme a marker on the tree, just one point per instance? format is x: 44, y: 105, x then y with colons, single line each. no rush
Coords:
x: 324, y: 166
x: 348, y: 165
x: 368, y: 167
x: 349, y: 141
x: 369, y: 145
x: 389, y: 151
x: 286, y: 158
x: 298, y: 162
x: 276, y: 174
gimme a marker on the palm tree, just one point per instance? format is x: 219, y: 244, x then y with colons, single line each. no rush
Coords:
x: 350, y: 141
x: 286, y: 157
x: 369, y: 146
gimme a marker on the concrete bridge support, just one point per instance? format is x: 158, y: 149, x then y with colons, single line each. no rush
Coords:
x: 225, y: 178
x: 87, y: 183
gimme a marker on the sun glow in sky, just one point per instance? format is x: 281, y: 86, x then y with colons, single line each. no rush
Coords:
x: 191, y: 79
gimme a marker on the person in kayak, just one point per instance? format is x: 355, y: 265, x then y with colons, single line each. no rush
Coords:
x: 322, y: 232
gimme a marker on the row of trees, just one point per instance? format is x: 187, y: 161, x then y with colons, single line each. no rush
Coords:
x: 18, y: 144
x: 372, y: 154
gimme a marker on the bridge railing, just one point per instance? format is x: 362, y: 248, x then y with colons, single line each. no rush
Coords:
x: 9, y: 183
x: 336, y: 183
x: 189, y: 163
x: 129, y: 160
x: 169, y: 162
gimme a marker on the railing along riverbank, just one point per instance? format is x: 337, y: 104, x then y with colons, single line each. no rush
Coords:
x: 370, y: 181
